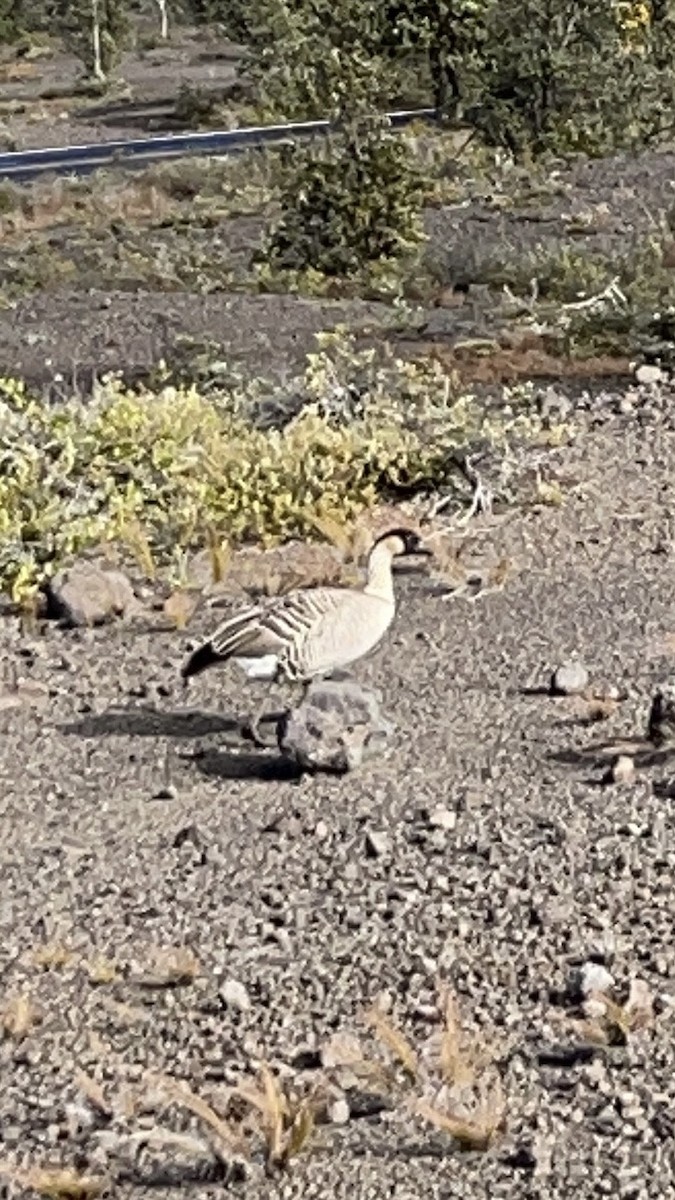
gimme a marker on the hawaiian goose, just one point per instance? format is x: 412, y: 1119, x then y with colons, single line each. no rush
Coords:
x: 312, y: 631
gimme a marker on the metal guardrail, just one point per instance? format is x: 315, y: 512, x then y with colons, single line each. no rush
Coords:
x: 82, y: 160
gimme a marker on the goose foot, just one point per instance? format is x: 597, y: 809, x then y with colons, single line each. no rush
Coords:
x: 250, y: 730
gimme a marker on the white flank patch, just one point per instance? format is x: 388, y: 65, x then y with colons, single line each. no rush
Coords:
x: 264, y: 667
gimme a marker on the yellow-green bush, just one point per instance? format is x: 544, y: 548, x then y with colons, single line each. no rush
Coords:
x: 185, y: 465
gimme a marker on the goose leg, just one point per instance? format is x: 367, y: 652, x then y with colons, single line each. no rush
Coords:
x: 250, y: 727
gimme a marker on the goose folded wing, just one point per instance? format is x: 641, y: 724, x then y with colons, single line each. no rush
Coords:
x: 270, y: 629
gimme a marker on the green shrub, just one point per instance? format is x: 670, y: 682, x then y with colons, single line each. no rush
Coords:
x: 353, y: 201
x: 10, y: 20
x: 185, y: 466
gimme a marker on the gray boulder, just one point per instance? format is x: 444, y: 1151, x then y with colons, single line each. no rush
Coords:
x: 87, y: 593
x: 337, y: 726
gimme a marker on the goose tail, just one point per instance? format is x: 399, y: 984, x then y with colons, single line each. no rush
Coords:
x: 236, y: 635
x: 201, y: 658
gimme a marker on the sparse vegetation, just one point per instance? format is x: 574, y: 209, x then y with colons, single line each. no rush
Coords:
x: 612, y: 1022
x: 451, y: 1082
x: 58, y: 1183
x: 178, y: 463
x: 95, y: 29
x: 18, y: 1016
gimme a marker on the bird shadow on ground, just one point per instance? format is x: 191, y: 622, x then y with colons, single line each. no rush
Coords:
x: 600, y: 754
x: 221, y: 764
x: 145, y: 721
x: 232, y: 763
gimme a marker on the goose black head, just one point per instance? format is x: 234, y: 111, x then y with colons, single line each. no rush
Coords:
x: 401, y: 541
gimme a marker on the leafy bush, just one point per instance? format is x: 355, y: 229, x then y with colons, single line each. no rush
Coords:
x: 356, y: 199
x: 185, y: 466
x: 637, y: 320
x: 351, y: 202
x: 312, y: 59
x: 530, y: 75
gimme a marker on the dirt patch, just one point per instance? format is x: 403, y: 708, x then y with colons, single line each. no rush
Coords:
x: 486, y: 362
x: 75, y: 336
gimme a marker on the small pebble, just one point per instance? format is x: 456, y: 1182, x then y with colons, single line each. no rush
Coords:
x: 438, y: 840
x: 443, y: 818
x: 593, y: 977
x: 595, y: 1007
x: 569, y: 679
x: 234, y: 995
x: 622, y: 770
x: 339, y: 1112
x: 378, y: 843
x: 640, y: 1002
x: 649, y: 374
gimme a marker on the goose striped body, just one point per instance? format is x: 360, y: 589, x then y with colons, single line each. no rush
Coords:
x: 313, y: 631
x: 299, y: 636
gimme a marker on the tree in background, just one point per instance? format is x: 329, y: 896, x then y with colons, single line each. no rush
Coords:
x: 563, y: 76
x: 163, y: 19
x: 95, y: 30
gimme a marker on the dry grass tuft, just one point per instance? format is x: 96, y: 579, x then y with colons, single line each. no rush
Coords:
x: 172, y: 967
x: 179, y: 607
x: 227, y: 1142
x: 393, y: 1040
x: 134, y: 537
x: 58, y: 1183
x: 220, y: 555
x: 609, y: 1022
x: 457, y: 1061
x: 19, y: 1016
x: 52, y: 956
x: 462, y: 1092
x: 592, y: 711
x: 286, y: 1121
x: 93, y: 1092
x: 101, y: 971
x: 259, y: 1114
x: 477, y: 1131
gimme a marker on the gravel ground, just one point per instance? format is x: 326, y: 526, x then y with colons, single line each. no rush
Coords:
x: 119, y: 839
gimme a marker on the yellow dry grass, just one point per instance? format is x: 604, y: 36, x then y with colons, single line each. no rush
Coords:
x: 52, y: 956
x: 285, y: 1121
x: 56, y: 1183
x: 19, y: 1016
